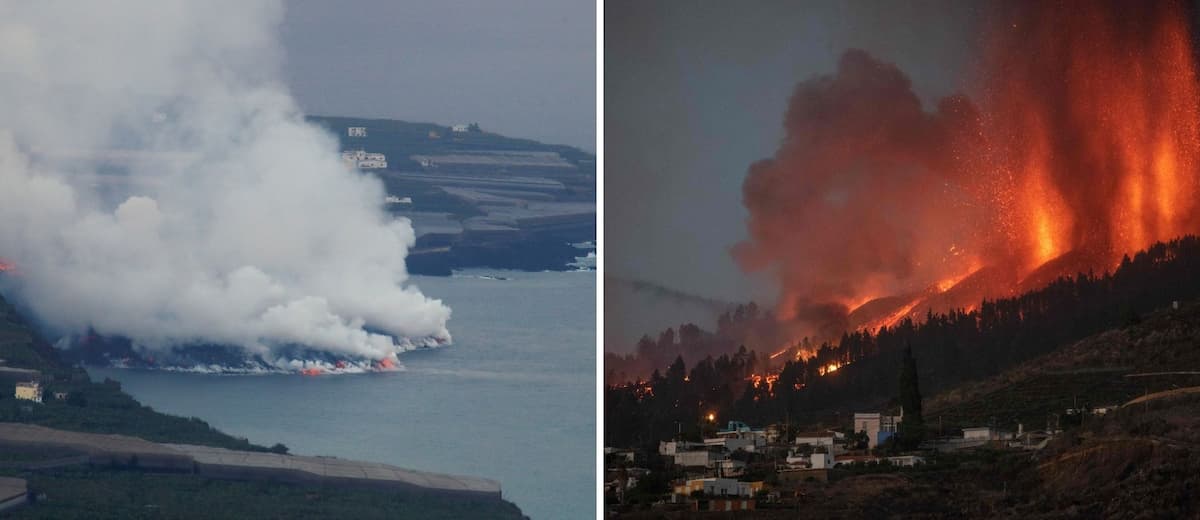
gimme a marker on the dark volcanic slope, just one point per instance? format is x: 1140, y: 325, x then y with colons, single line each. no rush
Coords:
x: 1105, y: 369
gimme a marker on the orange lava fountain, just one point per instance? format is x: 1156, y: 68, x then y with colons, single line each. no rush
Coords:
x: 1080, y: 142
x: 1095, y: 114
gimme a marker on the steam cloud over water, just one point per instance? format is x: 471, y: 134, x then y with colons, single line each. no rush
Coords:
x: 232, y: 221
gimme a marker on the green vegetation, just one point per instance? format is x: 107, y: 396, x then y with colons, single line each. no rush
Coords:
x: 104, y: 408
x: 101, y: 492
x: 81, y: 492
x: 89, y: 406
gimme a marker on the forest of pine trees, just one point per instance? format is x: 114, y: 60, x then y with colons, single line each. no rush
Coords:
x: 953, y: 347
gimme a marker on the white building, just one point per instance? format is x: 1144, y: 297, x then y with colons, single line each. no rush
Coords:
x: 356, y: 131
x: 29, y: 391
x: 670, y: 448
x: 731, y: 468
x: 742, y: 431
x: 795, y: 460
x: 698, y: 458
x: 815, y: 439
x: 906, y: 460
x: 718, y: 487
x: 363, y: 160
x: 731, y: 487
x: 821, y: 460
x: 879, y: 427
x: 459, y: 128
x: 986, y: 433
x: 736, y: 443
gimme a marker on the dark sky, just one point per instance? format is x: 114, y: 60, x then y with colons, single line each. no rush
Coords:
x: 522, y: 68
x: 695, y: 92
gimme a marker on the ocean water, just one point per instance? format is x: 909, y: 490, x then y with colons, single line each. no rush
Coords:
x: 513, y: 399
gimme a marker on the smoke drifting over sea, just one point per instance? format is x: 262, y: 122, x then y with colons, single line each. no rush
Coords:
x: 1080, y: 142
x: 158, y: 182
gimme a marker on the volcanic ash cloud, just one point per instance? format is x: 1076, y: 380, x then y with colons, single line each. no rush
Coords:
x: 158, y: 182
x: 1080, y: 143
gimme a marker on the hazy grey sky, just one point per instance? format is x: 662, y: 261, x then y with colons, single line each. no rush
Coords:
x: 522, y: 68
x: 696, y: 91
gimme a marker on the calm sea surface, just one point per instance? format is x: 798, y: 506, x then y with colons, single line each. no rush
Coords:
x: 513, y: 399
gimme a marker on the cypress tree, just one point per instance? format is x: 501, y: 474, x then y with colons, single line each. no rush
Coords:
x: 912, y: 428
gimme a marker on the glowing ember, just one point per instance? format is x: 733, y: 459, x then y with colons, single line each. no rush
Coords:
x: 1101, y: 150
x: 759, y: 380
x: 829, y: 368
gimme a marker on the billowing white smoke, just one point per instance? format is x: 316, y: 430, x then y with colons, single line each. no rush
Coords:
x: 236, y: 222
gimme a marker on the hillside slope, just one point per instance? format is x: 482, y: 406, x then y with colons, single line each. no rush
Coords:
x: 478, y: 199
x: 1105, y: 369
x: 91, y: 491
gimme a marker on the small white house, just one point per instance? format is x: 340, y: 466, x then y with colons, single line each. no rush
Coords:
x: 670, y: 448
x: 29, y: 391
x: 796, y: 460
x: 372, y: 165
x: 821, y: 460
x: 985, y: 433
x: 698, y: 458
x: 363, y: 160
x: 878, y: 427
x: 717, y: 487
x: 459, y: 128
x: 730, y: 487
x: 814, y: 439
x: 906, y: 460
x: 731, y: 468
x: 736, y: 443
x: 356, y: 131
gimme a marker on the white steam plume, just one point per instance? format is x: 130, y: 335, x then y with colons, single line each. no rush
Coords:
x: 236, y: 222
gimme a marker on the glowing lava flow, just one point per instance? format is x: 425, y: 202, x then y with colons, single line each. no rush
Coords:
x: 1079, y: 139
x: 830, y: 368
x: 759, y: 380
x: 1104, y: 156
